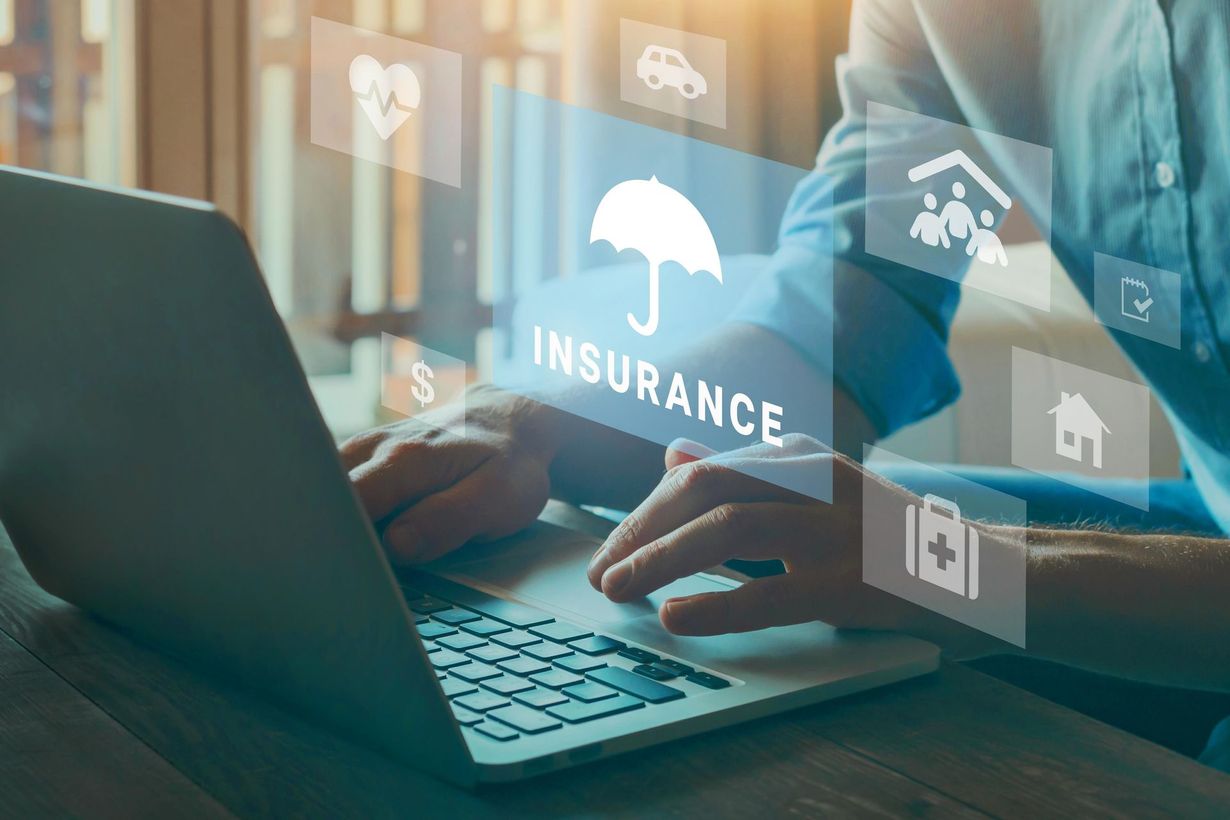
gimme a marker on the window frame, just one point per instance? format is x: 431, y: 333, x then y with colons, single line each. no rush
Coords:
x: 191, y: 71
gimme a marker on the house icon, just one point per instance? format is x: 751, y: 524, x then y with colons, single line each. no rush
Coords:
x: 1075, y: 421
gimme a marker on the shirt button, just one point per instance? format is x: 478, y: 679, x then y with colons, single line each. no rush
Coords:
x: 1203, y: 354
x: 1163, y: 172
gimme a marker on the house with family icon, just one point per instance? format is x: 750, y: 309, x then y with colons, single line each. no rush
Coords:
x: 956, y: 220
x: 1076, y: 421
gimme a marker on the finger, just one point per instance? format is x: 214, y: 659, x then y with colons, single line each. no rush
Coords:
x: 403, y: 472
x: 793, y: 444
x: 684, y: 451
x: 685, y: 493
x: 752, y: 531
x: 800, y: 463
x: 775, y: 601
x: 358, y: 449
x: 755, y: 473
x: 490, y: 503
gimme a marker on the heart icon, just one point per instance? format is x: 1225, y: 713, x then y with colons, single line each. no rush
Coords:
x: 387, y: 96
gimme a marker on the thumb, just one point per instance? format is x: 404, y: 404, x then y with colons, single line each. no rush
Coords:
x: 684, y: 450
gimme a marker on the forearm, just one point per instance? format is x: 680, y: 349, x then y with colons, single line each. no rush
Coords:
x: 596, y: 464
x: 1150, y: 607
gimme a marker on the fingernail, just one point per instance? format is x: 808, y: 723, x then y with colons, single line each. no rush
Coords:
x: 668, y: 614
x: 593, y: 562
x: 691, y: 448
x: 617, y: 578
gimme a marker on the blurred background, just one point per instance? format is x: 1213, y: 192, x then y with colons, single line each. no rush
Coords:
x: 209, y: 99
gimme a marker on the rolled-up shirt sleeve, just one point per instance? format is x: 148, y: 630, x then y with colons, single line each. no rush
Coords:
x: 878, y: 328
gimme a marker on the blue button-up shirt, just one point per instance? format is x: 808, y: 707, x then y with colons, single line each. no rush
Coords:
x: 1133, y: 97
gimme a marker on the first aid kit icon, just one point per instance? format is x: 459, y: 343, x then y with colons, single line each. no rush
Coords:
x: 940, y: 548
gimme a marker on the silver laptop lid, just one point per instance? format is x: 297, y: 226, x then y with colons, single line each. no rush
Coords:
x: 162, y: 463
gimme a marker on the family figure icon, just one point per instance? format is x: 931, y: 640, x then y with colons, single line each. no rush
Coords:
x: 956, y: 220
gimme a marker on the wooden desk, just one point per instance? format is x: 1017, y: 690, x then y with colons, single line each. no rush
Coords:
x: 93, y: 724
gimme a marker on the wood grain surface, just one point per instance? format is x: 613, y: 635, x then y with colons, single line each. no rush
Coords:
x: 61, y: 755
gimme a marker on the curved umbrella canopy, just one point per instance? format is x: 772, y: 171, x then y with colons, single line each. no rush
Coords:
x: 663, y: 225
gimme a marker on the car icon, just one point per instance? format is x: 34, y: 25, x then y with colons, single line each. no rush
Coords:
x: 660, y: 66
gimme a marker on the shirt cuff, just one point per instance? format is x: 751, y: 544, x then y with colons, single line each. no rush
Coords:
x: 852, y: 326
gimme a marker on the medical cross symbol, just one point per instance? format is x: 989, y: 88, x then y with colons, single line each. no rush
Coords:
x: 942, y: 552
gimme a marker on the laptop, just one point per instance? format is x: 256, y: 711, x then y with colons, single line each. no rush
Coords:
x: 163, y: 466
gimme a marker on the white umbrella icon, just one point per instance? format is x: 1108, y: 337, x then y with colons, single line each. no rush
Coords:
x: 663, y: 225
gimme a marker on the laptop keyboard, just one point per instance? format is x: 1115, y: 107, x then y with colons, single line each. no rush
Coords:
x: 509, y: 670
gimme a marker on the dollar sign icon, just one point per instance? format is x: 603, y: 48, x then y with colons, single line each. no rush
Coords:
x: 423, y: 391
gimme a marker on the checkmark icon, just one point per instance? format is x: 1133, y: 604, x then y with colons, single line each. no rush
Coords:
x: 1135, y: 300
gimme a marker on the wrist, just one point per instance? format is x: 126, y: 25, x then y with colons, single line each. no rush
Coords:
x: 542, y: 428
x: 534, y: 427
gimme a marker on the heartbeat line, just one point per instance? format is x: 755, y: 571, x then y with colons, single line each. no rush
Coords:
x: 386, y: 104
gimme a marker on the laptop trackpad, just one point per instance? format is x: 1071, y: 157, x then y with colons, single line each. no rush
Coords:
x: 546, y: 566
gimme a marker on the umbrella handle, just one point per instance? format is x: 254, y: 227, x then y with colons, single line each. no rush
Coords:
x: 651, y: 324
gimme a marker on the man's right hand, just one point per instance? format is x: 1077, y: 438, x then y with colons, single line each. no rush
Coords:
x: 429, y: 491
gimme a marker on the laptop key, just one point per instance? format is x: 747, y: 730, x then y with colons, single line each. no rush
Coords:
x: 484, y: 627
x: 509, y: 613
x: 708, y: 681
x: 456, y: 686
x: 589, y: 692
x: 556, y: 679
x: 515, y: 639
x: 460, y: 643
x: 634, y: 684
x: 426, y: 605
x: 654, y: 671
x: 507, y: 685
x: 447, y: 658
x: 597, y: 645
x: 638, y: 655
x: 491, y: 654
x: 474, y: 671
x: 675, y: 666
x: 575, y: 711
x: 420, y: 619
x: 525, y: 719
x: 524, y: 666
x: 481, y: 701
x: 578, y: 663
x: 560, y: 632
x: 455, y: 617
x: 546, y: 651
x: 497, y: 731
x: 539, y: 698
x: 465, y: 717
x: 431, y: 630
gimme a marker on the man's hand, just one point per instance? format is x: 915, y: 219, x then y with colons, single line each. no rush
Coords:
x: 704, y: 513
x: 429, y: 491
